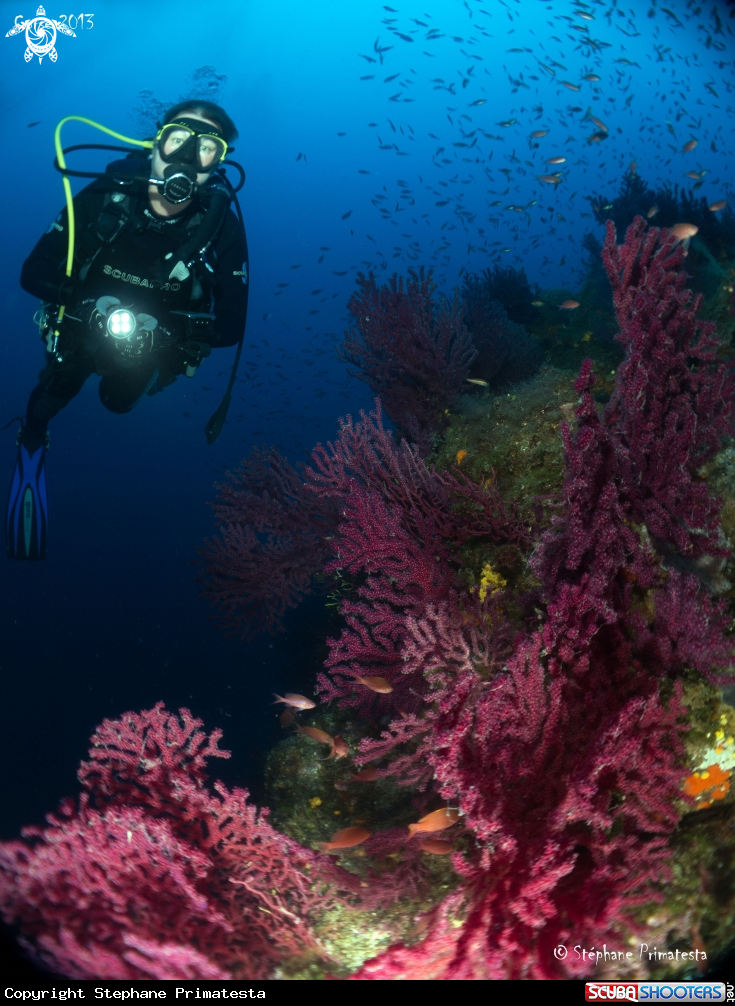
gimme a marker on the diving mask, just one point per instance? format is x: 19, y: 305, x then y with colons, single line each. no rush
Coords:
x: 188, y: 147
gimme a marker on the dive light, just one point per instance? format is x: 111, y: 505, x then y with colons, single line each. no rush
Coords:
x: 121, y: 323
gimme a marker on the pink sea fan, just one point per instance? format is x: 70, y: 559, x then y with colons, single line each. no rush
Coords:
x: 155, y: 875
x: 90, y: 881
x: 400, y: 526
x: 412, y: 352
x: 674, y: 397
x: 272, y: 542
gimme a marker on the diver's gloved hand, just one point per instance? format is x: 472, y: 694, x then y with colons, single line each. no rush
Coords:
x: 193, y: 353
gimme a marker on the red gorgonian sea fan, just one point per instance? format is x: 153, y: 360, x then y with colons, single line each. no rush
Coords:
x: 567, y: 764
x: 413, y: 352
x: 400, y: 525
x: 272, y: 540
x: 154, y: 875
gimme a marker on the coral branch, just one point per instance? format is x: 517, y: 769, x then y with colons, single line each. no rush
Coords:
x: 412, y: 352
x: 162, y: 877
x: 273, y: 540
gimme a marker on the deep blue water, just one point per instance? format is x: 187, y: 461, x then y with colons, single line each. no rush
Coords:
x: 111, y: 621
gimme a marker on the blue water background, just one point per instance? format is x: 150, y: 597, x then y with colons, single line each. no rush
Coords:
x: 111, y: 621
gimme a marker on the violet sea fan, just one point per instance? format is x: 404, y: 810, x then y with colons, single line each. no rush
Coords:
x: 154, y: 874
x: 271, y: 544
x: 495, y: 304
x: 400, y: 523
x: 413, y: 352
x: 568, y: 761
x: 674, y: 397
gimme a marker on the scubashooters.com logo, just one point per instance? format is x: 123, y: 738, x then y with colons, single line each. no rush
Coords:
x: 40, y: 32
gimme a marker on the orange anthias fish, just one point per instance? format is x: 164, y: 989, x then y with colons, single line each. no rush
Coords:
x: 366, y: 775
x: 693, y: 174
x: 287, y: 717
x: 437, y: 846
x: 317, y: 735
x: 556, y: 160
x: 460, y: 456
x: 683, y: 231
x: 438, y: 820
x: 347, y: 838
x: 538, y: 133
x: 295, y: 701
x: 719, y: 205
x: 598, y: 122
x: 688, y: 147
x: 379, y: 685
x: 340, y: 747
x: 550, y: 179
x: 652, y: 213
x: 569, y: 305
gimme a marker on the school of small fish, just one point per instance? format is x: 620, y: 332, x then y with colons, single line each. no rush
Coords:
x: 501, y: 119
x: 492, y: 175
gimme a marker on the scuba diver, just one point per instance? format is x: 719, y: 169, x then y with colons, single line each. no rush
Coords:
x: 156, y: 277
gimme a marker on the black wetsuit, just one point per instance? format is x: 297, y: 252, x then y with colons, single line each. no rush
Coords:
x: 129, y: 268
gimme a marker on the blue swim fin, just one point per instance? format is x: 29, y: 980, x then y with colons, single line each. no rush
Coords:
x: 27, y: 518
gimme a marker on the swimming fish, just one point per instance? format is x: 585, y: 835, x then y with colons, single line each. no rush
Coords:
x: 287, y: 717
x: 366, y: 775
x: 652, y: 212
x: 569, y: 305
x: 347, y: 838
x: 571, y: 87
x: 317, y: 735
x: 550, y: 179
x: 437, y: 820
x: 688, y: 147
x: 340, y: 747
x: 538, y: 133
x: 592, y: 77
x: 295, y: 701
x: 556, y: 160
x: 716, y: 207
x: 683, y: 231
x: 477, y: 380
x: 376, y: 684
x: 437, y: 846
x: 537, y: 303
